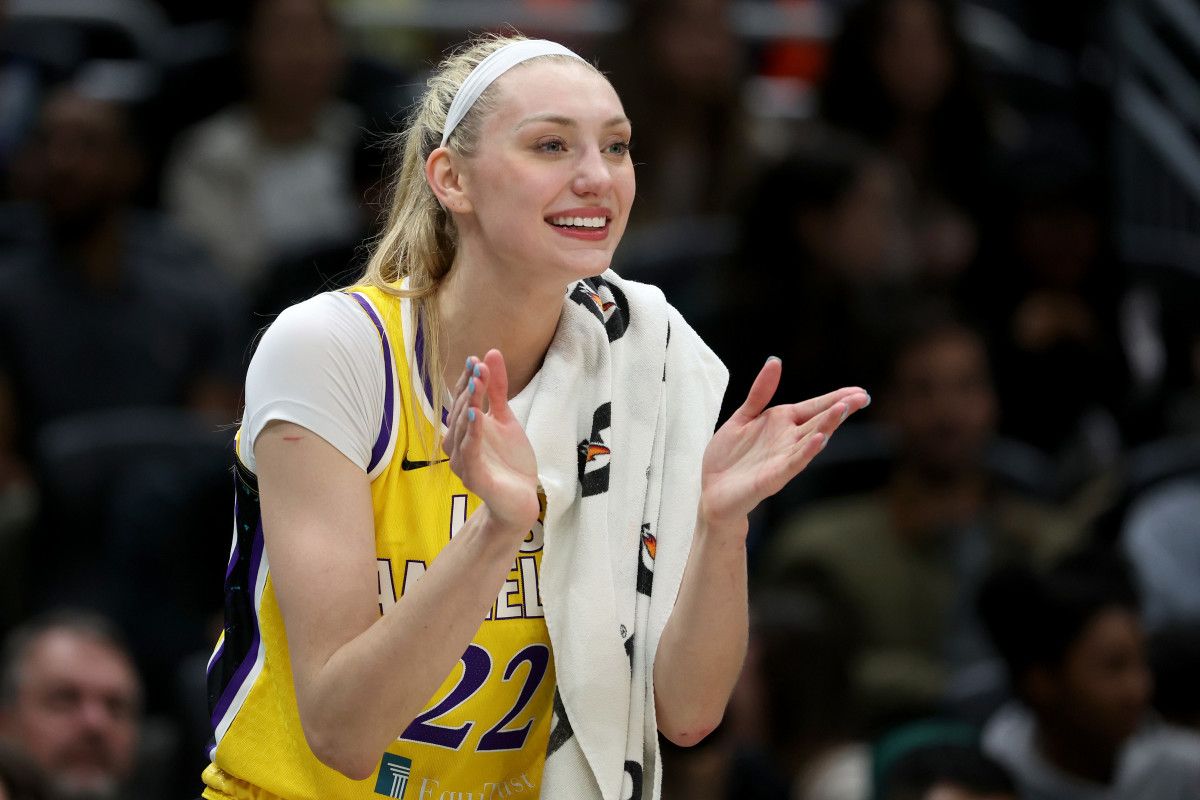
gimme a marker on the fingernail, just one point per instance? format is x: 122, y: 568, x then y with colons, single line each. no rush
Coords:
x: 774, y: 358
x: 845, y: 412
x: 476, y: 373
x: 470, y: 415
x: 471, y: 386
x: 468, y: 362
x: 868, y: 401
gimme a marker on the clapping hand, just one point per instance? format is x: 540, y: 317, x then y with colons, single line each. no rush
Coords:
x: 759, y: 449
x: 488, y: 448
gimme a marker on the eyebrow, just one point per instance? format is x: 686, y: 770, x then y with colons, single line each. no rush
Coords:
x: 558, y: 119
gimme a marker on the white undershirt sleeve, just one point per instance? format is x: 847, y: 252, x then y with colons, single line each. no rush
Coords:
x: 320, y: 366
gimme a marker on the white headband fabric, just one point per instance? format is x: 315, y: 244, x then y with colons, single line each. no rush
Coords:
x: 491, y: 68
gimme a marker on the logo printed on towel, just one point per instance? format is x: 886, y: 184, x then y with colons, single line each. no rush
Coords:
x: 594, y: 454
x: 393, y: 775
x: 646, y: 551
x: 606, y: 303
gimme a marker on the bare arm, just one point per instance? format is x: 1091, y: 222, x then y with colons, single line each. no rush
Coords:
x: 751, y: 458
x: 357, y: 682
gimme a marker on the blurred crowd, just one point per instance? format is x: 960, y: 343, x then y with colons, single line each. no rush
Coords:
x: 989, y: 587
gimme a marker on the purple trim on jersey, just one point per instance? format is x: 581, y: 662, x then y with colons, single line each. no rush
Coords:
x: 216, y: 658
x: 389, y: 400
x: 419, y: 347
x: 239, y: 676
x: 233, y: 555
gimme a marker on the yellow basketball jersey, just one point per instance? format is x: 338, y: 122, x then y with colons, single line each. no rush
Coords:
x: 484, y: 732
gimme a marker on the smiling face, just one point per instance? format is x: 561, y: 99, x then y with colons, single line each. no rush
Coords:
x: 547, y: 192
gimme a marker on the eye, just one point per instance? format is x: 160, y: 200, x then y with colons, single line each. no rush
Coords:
x: 618, y: 149
x: 551, y: 146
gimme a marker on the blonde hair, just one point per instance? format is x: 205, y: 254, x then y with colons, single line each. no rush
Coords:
x: 420, y: 239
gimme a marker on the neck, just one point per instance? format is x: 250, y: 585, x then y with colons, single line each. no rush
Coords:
x: 282, y: 124
x: 925, y: 504
x: 96, y: 252
x: 485, y: 308
x: 1069, y: 753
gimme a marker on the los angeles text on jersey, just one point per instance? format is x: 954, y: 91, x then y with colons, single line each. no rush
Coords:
x: 520, y: 595
x: 430, y: 789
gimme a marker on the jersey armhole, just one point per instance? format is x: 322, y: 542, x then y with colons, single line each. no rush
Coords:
x: 385, y: 441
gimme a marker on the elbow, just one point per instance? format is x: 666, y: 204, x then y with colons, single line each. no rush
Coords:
x: 690, y: 732
x: 687, y: 738
x: 332, y: 750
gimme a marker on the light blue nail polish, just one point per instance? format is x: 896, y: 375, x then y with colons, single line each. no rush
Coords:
x: 476, y: 373
x: 471, y: 386
x: 468, y: 362
x: 470, y: 415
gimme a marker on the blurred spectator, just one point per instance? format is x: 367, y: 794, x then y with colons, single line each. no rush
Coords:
x: 678, y: 68
x: 822, y: 248
x: 910, y: 556
x: 1162, y: 542
x: 19, y: 777
x: 335, y: 263
x: 803, y: 645
x: 789, y: 729
x: 1052, y: 292
x: 900, y: 75
x: 148, y: 353
x: 148, y: 324
x: 70, y: 700
x: 1076, y: 657
x: 261, y: 181
x: 949, y: 773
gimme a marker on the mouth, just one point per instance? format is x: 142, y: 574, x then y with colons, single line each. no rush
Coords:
x: 588, y: 224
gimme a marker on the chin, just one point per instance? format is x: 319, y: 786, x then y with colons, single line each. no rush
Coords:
x: 86, y: 786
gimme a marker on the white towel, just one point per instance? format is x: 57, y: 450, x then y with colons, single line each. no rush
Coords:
x: 627, y: 401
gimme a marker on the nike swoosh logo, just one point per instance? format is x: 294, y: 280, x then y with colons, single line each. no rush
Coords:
x: 405, y: 464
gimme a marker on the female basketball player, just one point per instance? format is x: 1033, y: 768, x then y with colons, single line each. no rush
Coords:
x: 396, y: 515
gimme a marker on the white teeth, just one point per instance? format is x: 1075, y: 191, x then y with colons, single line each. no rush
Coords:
x: 580, y: 222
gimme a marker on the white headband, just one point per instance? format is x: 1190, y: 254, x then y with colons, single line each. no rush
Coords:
x: 492, y: 67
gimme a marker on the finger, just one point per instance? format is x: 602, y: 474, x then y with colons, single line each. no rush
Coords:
x: 458, y: 427
x: 468, y: 446
x: 477, y: 387
x: 810, y: 408
x: 804, y: 452
x: 461, y: 384
x: 831, y: 419
x: 497, y: 386
x: 460, y: 399
x: 761, y: 391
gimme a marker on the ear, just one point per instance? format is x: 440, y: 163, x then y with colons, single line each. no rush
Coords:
x: 444, y: 177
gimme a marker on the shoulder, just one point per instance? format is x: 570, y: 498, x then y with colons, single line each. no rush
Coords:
x: 225, y: 136
x: 1008, y: 735
x: 327, y: 321
x: 833, y: 534
x: 1167, y: 748
x: 320, y: 365
x: 845, y: 521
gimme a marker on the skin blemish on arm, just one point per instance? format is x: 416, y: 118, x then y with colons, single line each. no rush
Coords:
x: 292, y: 438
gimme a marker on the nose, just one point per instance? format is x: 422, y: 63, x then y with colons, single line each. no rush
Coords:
x: 95, y: 715
x: 592, y: 175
